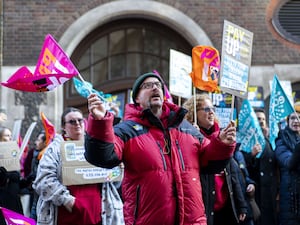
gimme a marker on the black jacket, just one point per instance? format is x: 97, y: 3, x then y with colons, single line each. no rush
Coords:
x: 237, y: 200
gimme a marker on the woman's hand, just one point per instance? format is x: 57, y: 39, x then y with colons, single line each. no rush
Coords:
x: 228, y: 135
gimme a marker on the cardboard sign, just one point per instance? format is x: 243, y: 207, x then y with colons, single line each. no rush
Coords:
x: 10, y: 155
x: 76, y: 170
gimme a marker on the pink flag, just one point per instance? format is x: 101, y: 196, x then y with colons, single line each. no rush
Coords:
x: 53, y: 69
x: 13, y: 218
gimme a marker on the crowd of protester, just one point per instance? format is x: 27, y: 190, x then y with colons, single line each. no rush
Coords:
x: 180, y: 167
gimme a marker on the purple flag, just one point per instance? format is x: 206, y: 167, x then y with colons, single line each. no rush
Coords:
x: 13, y: 218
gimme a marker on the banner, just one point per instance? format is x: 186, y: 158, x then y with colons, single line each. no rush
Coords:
x: 53, y: 69
x: 280, y: 107
x: 236, y: 59
x: 249, y: 132
x: 206, y: 68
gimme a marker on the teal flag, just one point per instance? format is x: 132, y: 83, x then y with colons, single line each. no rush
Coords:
x: 280, y: 107
x: 249, y: 132
x: 85, y: 89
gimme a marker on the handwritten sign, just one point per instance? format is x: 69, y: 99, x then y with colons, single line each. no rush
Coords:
x: 236, y: 59
x: 76, y: 170
x: 180, y: 81
x: 9, y: 155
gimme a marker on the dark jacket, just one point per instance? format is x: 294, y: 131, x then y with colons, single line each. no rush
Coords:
x: 264, y: 171
x: 288, y: 155
x: 237, y: 203
x: 9, y: 192
x: 162, y: 161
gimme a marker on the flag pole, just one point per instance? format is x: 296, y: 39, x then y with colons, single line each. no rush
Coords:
x: 232, y: 107
x: 195, y: 108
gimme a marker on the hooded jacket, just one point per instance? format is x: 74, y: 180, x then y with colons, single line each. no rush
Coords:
x: 162, y: 159
x: 90, y: 205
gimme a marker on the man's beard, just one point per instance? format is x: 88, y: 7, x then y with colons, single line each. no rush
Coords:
x: 153, y: 106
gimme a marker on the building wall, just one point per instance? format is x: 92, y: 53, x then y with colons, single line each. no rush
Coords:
x: 25, y: 24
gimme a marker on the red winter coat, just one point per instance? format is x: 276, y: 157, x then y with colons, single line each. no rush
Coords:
x: 161, y: 185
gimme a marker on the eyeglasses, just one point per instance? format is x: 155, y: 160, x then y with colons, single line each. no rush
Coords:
x: 149, y: 85
x: 294, y: 118
x: 74, y: 121
x: 208, y: 109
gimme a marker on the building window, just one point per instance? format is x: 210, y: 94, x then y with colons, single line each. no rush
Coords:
x: 286, y: 20
x: 113, y: 55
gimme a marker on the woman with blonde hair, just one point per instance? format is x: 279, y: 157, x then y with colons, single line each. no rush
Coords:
x: 221, y: 179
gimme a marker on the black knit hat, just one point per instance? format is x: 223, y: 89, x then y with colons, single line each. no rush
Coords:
x: 140, y: 80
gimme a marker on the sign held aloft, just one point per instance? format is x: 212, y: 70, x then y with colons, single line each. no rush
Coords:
x: 236, y: 59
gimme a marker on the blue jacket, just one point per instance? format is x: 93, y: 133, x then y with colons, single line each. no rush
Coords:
x: 287, y: 153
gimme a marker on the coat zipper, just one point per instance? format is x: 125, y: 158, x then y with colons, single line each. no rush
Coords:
x: 135, y: 214
x: 162, y: 155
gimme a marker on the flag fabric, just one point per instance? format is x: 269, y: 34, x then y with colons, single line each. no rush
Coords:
x: 53, y: 69
x: 280, y: 107
x: 49, y: 128
x: 86, y: 88
x: 13, y: 218
x: 205, y: 68
x: 249, y: 132
x: 168, y: 96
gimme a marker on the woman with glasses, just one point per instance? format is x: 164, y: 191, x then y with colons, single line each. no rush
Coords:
x: 287, y: 153
x: 219, y: 182
x: 60, y: 204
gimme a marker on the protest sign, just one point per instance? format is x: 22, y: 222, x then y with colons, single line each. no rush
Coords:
x: 180, y: 83
x: 256, y: 96
x: 236, y: 59
x: 10, y: 155
x: 76, y: 170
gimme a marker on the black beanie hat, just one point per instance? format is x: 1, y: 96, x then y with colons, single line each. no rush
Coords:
x: 139, y: 81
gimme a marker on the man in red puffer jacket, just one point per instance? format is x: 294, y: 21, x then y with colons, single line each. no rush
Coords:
x: 162, y: 154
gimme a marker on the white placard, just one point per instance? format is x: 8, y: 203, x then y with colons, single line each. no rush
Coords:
x: 180, y: 82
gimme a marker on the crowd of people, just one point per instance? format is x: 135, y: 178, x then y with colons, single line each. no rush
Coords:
x: 180, y: 167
